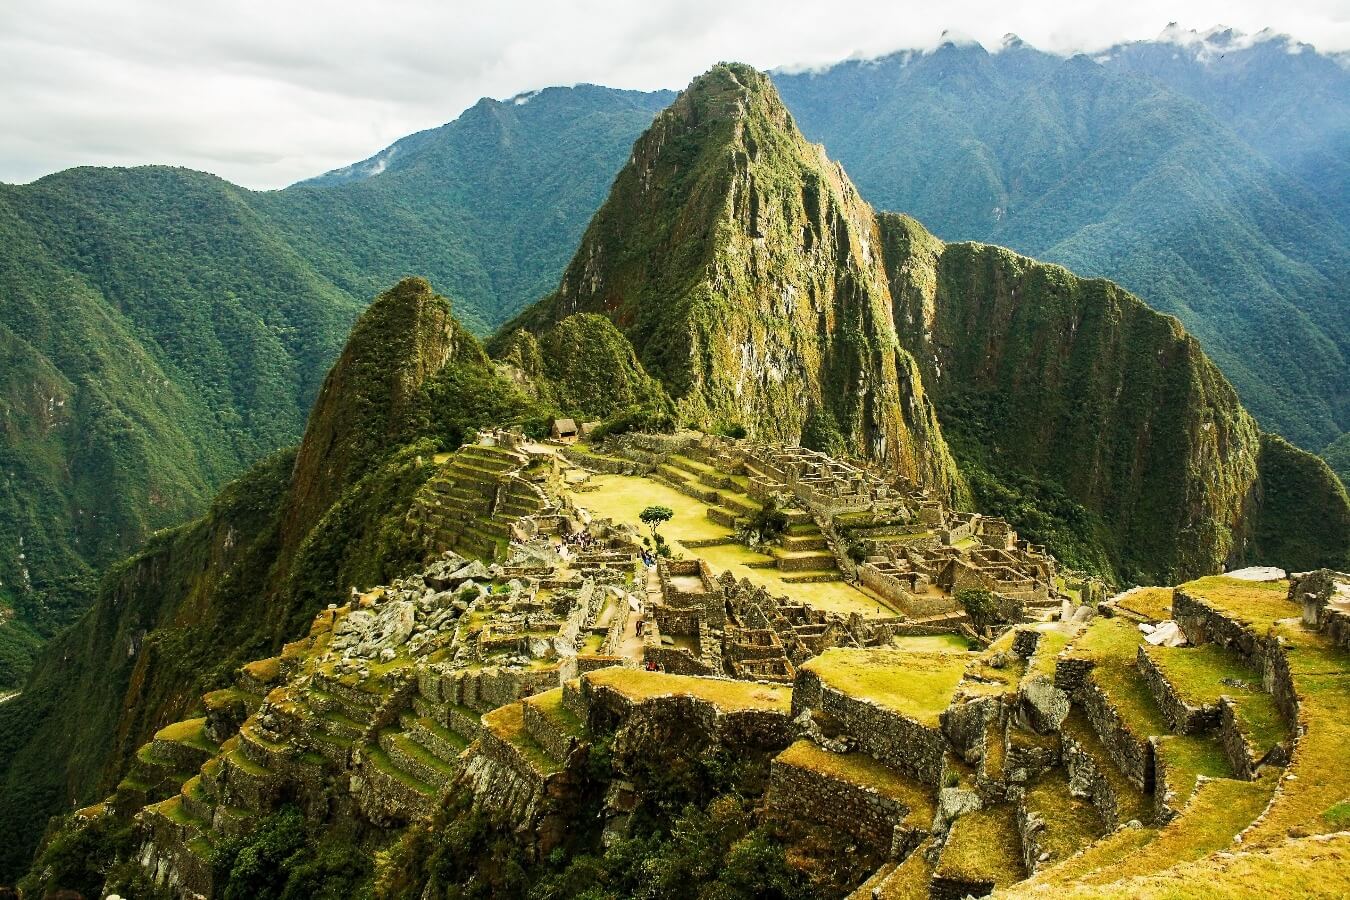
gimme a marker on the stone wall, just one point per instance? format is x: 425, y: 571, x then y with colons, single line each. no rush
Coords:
x: 1185, y: 718
x: 887, y: 736
x: 651, y: 724
x: 1203, y: 624
x: 1132, y: 753
x: 802, y: 794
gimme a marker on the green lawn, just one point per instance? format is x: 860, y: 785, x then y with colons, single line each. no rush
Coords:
x: 915, y: 684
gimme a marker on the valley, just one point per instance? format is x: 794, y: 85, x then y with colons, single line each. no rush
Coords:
x: 770, y: 545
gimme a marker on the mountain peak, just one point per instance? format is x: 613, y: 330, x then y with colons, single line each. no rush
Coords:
x: 745, y: 269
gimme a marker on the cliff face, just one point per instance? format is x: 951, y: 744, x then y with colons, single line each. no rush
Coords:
x: 746, y: 272
x: 1077, y: 383
x: 367, y: 402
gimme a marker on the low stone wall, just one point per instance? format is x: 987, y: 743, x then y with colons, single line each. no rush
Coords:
x: 483, y: 690
x: 801, y: 794
x: 654, y: 724
x: 1132, y: 753
x: 1203, y: 624
x: 165, y: 856
x: 1185, y: 718
x: 677, y: 661
x: 885, y: 735
x: 384, y: 799
x: 1071, y: 673
x: 674, y: 621
x: 1086, y: 779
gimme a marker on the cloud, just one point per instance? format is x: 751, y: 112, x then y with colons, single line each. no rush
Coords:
x: 268, y: 93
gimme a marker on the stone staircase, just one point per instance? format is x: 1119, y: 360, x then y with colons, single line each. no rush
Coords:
x: 470, y: 505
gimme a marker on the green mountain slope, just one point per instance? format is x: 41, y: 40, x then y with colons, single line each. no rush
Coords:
x: 488, y: 207
x: 161, y: 329
x: 1176, y: 180
x: 1055, y: 388
x: 156, y: 338
x: 296, y: 530
x: 742, y: 266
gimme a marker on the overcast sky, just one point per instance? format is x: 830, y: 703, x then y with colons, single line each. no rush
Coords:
x: 266, y: 93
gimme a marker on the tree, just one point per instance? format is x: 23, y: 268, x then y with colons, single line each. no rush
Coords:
x: 981, y: 605
x: 654, y: 516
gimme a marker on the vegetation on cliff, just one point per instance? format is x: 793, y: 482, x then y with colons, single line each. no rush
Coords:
x: 1094, y: 423
x: 292, y: 534
x: 1210, y: 179
x: 740, y: 264
x: 162, y: 329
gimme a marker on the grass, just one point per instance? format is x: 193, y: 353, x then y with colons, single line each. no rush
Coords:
x: 244, y: 764
x: 1256, y: 604
x: 1053, y: 640
x: 550, y: 703
x: 172, y: 809
x: 147, y: 756
x: 1130, y: 801
x: 1071, y: 823
x: 508, y: 724
x: 264, y: 671
x: 983, y: 846
x: 1201, y: 675
x: 1307, y: 868
x: 381, y: 761
x: 1120, y: 844
x: 829, y: 596
x: 1321, y: 674
x: 728, y: 696
x: 1186, y: 757
x: 423, y: 756
x: 909, y: 880
x: 863, y: 771
x: 1113, y: 646
x: 191, y: 732
x: 916, y: 685
x: 1219, y: 810
x: 623, y: 497
x: 1154, y: 603
x: 931, y: 643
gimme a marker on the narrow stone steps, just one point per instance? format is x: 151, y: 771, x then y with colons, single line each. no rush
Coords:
x: 416, y: 760
x: 439, y: 740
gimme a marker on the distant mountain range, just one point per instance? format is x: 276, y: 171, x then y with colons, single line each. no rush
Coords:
x: 161, y: 328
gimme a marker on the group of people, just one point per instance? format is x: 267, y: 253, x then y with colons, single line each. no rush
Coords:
x: 576, y: 542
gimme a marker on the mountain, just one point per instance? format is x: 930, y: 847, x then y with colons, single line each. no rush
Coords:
x: 743, y: 267
x: 1098, y: 425
x: 488, y: 207
x: 277, y: 544
x: 732, y: 271
x: 157, y: 337
x: 162, y: 329
x: 1184, y: 169
x: 763, y: 292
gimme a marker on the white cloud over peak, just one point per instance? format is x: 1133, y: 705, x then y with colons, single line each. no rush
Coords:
x: 268, y: 93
